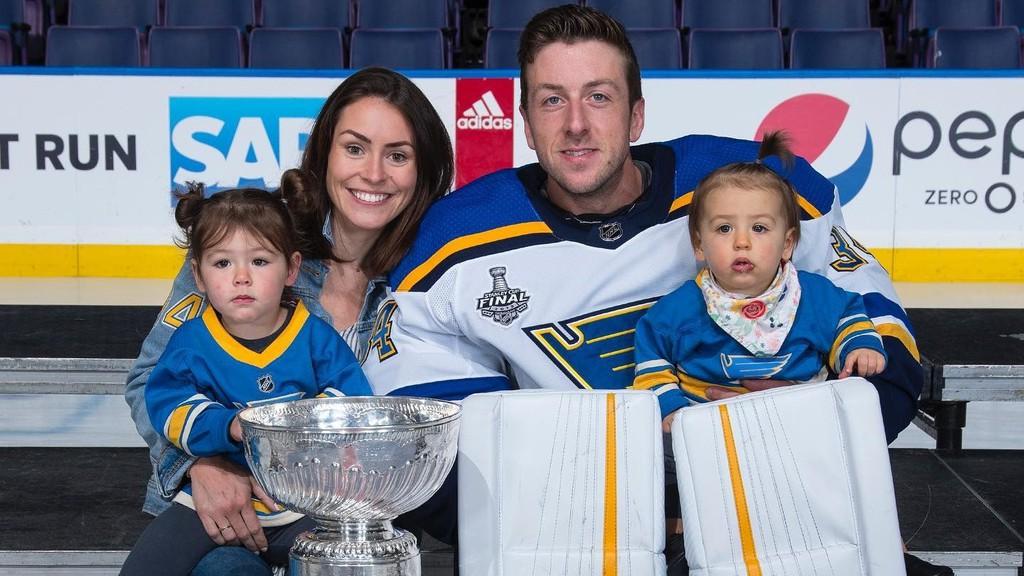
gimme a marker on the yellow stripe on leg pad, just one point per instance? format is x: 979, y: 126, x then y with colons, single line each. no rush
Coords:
x: 742, y: 512
x: 611, y: 537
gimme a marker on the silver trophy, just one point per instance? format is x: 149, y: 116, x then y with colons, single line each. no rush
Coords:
x: 353, y: 465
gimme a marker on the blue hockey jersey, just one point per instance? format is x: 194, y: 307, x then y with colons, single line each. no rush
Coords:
x: 205, y: 377
x: 680, y: 350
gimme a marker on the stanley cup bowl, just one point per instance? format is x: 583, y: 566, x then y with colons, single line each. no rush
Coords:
x: 353, y: 464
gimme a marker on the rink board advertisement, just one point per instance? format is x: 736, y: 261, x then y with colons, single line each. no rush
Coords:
x: 928, y: 168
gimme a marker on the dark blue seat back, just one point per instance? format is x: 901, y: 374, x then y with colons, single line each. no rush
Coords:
x: 403, y: 14
x: 516, y: 13
x: 823, y: 15
x: 727, y: 14
x: 296, y: 48
x: 837, y: 49
x: 92, y: 46
x: 409, y: 48
x: 759, y: 49
x: 1013, y: 13
x: 238, y: 13
x: 307, y: 14
x: 996, y: 47
x: 931, y: 14
x: 502, y: 48
x: 657, y: 47
x: 11, y: 12
x: 138, y: 13
x: 640, y: 13
x: 195, y: 47
x: 6, y: 49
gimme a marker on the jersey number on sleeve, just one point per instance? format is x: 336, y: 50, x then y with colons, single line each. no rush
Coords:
x: 851, y: 254
x: 380, y: 339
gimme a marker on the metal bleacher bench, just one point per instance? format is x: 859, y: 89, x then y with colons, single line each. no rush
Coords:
x: 77, y: 510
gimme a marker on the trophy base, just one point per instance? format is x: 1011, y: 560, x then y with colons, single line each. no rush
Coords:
x: 369, y: 551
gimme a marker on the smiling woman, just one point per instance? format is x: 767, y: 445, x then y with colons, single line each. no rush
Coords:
x: 377, y: 156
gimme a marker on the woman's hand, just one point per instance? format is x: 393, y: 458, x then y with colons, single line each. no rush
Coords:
x: 222, y: 493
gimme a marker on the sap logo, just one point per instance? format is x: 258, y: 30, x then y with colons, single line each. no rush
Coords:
x: 237, y: 142
x: 484, y: 114
x: 822, y: 130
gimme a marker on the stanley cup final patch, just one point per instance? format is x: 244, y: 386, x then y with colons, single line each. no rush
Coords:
x: 502, y: 304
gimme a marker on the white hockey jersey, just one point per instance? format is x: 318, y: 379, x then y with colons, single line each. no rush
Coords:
x: 501, y: 289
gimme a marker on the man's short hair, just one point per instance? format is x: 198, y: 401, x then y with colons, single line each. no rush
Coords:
x: 571, y: 23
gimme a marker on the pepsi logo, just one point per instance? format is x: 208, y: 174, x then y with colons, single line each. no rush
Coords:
x: 822, y: 129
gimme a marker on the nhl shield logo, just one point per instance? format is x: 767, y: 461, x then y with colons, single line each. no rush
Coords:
x: 265, y: 382
x: 502, y: 304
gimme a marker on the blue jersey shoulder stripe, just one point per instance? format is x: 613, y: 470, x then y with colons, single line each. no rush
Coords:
x: 492, y: 208
x: 877, y: 305
x: 699, y: 155
x: 454, y: 389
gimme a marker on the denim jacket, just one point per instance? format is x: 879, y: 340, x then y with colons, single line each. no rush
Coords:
x: 186, y: 302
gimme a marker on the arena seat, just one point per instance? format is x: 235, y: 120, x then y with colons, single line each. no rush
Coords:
x: 6, y: 49
x: 501, y: 48
x: 403, y: 14
x: 991, y: 48
x: 141, y: 14
x: 755, y: 49
x: 928, y: 15
x: 93, y: 46
x: 640, y: 13
x: 823, y: 15
x: 727, y: 14
x: 837, y: 49
x: 516, y: 13
x: 1012, y: 13
x: 657, y: 48
x: 296, y: 48
x: 195, y: 47
x: 237, y: 13
x: 306, y: 14
x: 12, y: 13
x: 409, y: 48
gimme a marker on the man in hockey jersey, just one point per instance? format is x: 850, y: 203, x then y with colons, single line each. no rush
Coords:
x: 536, y: 277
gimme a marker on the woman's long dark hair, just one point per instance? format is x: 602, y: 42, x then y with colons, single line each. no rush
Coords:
x: 305, y: 188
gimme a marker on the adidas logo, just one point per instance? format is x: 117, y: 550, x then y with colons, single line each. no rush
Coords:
x: 484, y: 114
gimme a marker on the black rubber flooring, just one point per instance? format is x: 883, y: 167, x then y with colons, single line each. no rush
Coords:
x: 90, y: 498
x: 969, y: 335
x: 74, y: 331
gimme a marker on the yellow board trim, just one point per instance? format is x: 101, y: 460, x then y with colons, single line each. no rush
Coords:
x: 136, y: 261
x: 471, y: 241
x: 243, y: 354
x: 94, y: 260
x: 742, y: 512
x: 611, y: 511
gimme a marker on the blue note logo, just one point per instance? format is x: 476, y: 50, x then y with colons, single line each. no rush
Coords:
x: 237, y: 142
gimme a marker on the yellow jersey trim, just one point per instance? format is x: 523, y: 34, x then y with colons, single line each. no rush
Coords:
x: 471, y: 241
x: 833, y: 355
x: 901, y: 334
x: 258, y: 359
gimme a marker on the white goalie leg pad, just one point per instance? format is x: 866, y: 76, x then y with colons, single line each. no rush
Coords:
x: 787, y: 482
x: 561, y: 483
